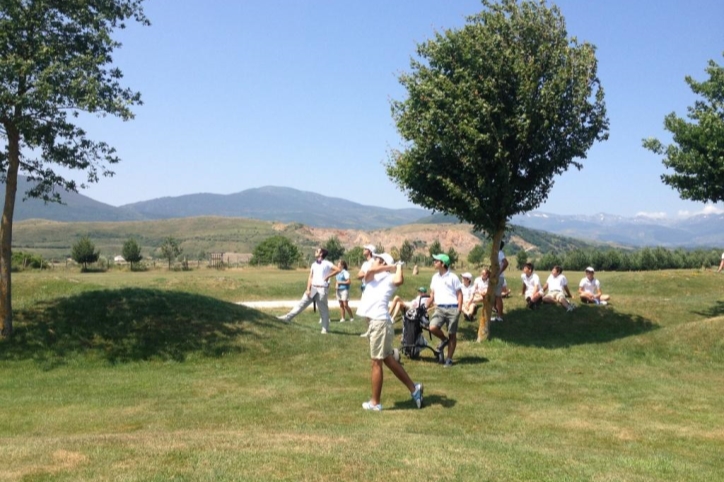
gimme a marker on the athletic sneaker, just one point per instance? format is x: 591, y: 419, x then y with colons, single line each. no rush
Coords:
x: 324, y: 331
x: 448, y: 363
x: 571, y: 307
x: 365, y: 334
x: 283, y: 318
x: 417, y: 395
x: 374, y: 408
x: 342, y: 320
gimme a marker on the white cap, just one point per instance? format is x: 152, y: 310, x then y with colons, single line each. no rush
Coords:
x: 386, y: 258
x: 369, y: 247
x: 467, y: 275
x: 590, y: 269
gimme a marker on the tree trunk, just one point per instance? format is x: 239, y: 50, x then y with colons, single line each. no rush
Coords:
x: 489, y: 300
x: 6, y: 232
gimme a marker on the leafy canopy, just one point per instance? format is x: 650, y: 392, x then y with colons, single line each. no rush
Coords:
x: 494, y: 111
x: 84, y: 252
x: 55, y: 62
x: 170, y: 249
x: 276, y: 250
x: 131, y: 251
x: 697, y: 152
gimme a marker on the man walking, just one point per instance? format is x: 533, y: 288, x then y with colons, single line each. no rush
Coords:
x: 381, y: 283
x: 447, y: 297
x: 317, y: 289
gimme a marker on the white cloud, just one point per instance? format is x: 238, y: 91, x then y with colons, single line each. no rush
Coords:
x: 659, y: 215
x: 707, y: 209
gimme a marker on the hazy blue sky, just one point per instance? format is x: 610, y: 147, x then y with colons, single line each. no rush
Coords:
x: 249, y: 93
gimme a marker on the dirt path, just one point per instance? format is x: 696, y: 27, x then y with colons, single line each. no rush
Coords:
x: 261, y: 305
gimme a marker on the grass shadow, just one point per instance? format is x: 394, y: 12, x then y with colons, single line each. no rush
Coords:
x: 131, y: 324
x: 553, y: 327
x: 713, y: 311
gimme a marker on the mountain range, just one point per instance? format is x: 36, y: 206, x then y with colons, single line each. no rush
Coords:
x: 289, y: 205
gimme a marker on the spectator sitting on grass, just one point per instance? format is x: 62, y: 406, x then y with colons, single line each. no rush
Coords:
x: 557, y: 289
x: 399, y: 306
x: 589, y: 289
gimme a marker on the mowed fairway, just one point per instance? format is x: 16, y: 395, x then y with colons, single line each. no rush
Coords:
x: 161, y: 376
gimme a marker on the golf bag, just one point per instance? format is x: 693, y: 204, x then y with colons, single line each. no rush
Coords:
x: 414, y: 324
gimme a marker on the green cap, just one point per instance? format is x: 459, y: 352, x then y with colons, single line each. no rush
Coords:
x: 442, y: 257
x: 422, y: 289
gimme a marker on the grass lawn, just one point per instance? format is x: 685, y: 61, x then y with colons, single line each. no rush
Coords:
x: 160, y: 376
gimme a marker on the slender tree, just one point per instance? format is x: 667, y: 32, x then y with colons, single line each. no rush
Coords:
x: 493, y: 112
x: 84, y: 252
x: 697, y: 153
x: 55, y: 62
x: 131, y: 252
x: 170, y: 250
x: 334, y: 248
x: 406, y: 251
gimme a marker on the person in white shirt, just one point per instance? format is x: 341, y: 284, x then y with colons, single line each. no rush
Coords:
x: 317, y: 289
x: 721, y: 265
x: 468, y: 290
x: 368, y: 251
x: 556, y: 288
x: 480, y: 285
x: 532, y: 289
x: 503, y: 262
x: 589, y: 289
x: 382, y: 279
x: 447, y: 297
x: 399, y: 306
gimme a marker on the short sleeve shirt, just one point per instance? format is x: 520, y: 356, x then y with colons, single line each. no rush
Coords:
x: 531, y: 282
x: 590, y: 286
x: 320, y: 271
x: 480, y: 285
x: 342, y: 276
x: 556, y: 283
x: 376, y: 296
x: 446, y: 288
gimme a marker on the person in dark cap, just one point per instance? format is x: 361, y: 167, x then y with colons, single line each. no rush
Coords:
x: 398, y: 306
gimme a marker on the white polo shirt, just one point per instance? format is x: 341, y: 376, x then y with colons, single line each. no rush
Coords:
x: 590, y: 286
x: 530, y: 283
x: 480, y: 285
x: 320, y: 271
x: 445, y: 288
x: 556, y: 283
x: 376, y: 297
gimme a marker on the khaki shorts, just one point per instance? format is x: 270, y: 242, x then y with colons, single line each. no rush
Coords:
x: 382, y: 335
x: 446, y: 316
x: 557, y: 296
x: 342, y: 295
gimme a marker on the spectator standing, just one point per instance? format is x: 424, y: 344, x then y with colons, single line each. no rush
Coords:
x: 502, y: 286
x: 447, y: 297
x: 343, y: 284
x: 317, y: 289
